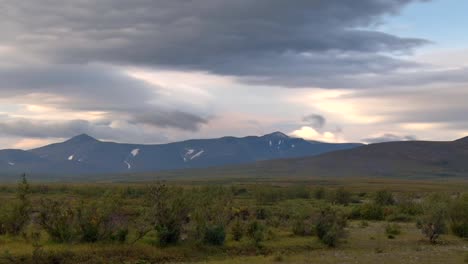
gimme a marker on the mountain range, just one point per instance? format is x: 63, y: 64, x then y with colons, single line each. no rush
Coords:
x: 84, y: 154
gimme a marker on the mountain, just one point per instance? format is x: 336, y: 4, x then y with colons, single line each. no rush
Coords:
x: 84, y: 154
x: 409, y: 159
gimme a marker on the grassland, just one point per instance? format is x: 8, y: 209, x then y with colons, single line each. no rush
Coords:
x: 364, y: 241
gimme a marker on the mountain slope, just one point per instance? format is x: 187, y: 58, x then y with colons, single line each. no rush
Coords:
x: 85, y: 155
x: 393, y: 159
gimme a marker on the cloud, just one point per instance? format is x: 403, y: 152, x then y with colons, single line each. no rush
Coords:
x: 44, y: 130
x: 388, y: 137
x: 310, y: 133
x: 177, y: 119
x: 94, y: 88
x: 315, y: 121
x: 310, y: 43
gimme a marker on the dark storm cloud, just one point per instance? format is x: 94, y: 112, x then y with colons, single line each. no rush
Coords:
x: 315, y: 121
x: 388, y: 138
x: 92, y: 88
x: 307, y: 42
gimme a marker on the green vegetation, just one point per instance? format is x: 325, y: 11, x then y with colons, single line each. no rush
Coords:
x: 233, y: 222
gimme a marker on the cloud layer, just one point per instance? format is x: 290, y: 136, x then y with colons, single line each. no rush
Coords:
x: 308, y: 43
x: 160, y: 70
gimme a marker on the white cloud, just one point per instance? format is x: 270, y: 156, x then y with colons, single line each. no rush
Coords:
x: 310, y: 133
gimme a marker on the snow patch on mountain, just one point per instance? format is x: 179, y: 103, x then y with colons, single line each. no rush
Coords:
x: 191, y: 154
x: 198, y: 154
x: 135, y: 152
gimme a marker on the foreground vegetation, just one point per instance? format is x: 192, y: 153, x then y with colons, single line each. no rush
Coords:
x: 352, y: 221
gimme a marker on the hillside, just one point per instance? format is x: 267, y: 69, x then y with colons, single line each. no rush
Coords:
x: 391, y: 159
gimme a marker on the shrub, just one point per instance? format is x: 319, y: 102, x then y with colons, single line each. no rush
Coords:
x: 256, y: 232
x: 372, y: 211
x: 16, y: 215
x: 342, y: 196
x: 391, y: 230
x: 302, y: 227
x: 58, y: 220
x: 211, y: 213
x: 330, y: 226
x: 433, y: 222
x: 384, y: 198
x: 237, y: 230
x: 399, y: 218
x: 319, y: 193
x: 168, y: 210
x: 406, y: 205
x: 459, y: 216
x: 215, y: 235
x: 101, y: 220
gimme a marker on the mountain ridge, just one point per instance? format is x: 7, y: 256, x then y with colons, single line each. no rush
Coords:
x: 84, y: 154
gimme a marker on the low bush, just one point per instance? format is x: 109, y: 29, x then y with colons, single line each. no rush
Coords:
x: 215, y: 235
x: 384, y: 198
x: 58, y: 219
x: 256, y: 232
x: 303, y: 227
x: 459, y: 216
x: 330, y: 226
x: 237, y: 230
x: 372, y: 211
x: 392, y: 230
x: 15, y: 215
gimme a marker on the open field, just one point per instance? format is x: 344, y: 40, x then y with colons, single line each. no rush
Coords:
x: 275, y: 205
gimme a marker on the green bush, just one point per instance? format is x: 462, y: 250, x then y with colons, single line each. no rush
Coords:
x: 330, y: 226
x: 101, y: 220
x: 210, y: 214
x: 341, y: 196
x: 167, y: 212
x: 459, y: 216
x: 58, y: 219
x: 384, y: 198
x: 256, y: 232
x: 407, y: 206
x: 372, y: 211
x: 433, y: 222
x: 215, y: 235
x: 16, y: 214
x: 399, y: 217
x: 319, y: 193
x: 237, y: 230
x: 302, y: 227
x: 392, y: 230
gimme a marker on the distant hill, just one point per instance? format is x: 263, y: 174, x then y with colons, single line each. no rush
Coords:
x: 408, y: 159
x: 84, y: 154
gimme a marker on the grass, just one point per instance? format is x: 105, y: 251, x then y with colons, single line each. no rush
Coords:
x: 362, y: 245
x: 365, y: 242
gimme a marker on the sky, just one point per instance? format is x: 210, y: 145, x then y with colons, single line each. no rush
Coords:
x: 158, y: 71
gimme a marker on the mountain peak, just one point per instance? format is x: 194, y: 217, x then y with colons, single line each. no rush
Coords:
x: 277, y: 134
x: 82, y: 138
